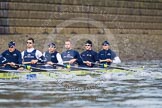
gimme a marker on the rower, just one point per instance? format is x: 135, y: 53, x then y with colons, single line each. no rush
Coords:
x: 12, y: 56
x: 108, y: 56
x: 52, y: 56
x: 89, y: 56
x: 31, y: 56
x: 71, y: 56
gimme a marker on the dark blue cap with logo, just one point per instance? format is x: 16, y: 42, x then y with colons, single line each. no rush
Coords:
x: 52, y: 45
x: 105, y: 43
x: 11, y: 44
x: 88, y: 42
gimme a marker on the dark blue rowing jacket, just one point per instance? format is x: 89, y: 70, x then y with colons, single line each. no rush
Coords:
x: 2, y: 60
x: 51, y: 57
x: 106, y: 54
x: 72, y: 54
x: 14, y: 57
x: 89, y: 55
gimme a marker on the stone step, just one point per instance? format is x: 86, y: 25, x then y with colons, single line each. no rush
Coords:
x: 156, y: 4
x: 44, y: 30
x: 68, y: 8
x: 79, y: 24
x: 64, y: 16
x: 147, y: 1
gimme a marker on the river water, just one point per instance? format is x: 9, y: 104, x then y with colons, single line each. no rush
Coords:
x: 142, y: 89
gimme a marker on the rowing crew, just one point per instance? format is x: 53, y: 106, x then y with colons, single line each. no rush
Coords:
x: 31, y: 56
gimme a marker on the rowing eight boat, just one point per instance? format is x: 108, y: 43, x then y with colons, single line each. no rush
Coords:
x: 52, y: 73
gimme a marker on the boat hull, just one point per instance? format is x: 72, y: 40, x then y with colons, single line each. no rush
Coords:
x: 53, y: 74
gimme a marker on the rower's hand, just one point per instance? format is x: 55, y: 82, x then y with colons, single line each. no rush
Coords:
x: 72, y: 61
x: 20, y: 69
x: 11, y: 63
x: 88, y: 63
x: 34, y: 61
x: 50, y: 63
x: 108, y: 60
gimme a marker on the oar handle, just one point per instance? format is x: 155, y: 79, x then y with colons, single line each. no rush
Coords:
x: 72, y: 67
x: 26, y: 63
x: 104, y: 65
x: 103, y: 60
x: 66, y: 62
x: 60, y: 65
x: 28, y: 67
x: 89, y: 61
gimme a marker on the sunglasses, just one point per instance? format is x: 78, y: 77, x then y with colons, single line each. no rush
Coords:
x: 52, y: 47
x: 105, y: 45
x: 87, y: 45
x: 29, y: 43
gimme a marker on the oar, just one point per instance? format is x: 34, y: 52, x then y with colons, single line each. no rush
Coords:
x: 112, y: 67
x: 122, y: 68
x: 28, y: 67
x: 115, y: 67
x: 29, y: 63
x: 74, y: 67
x: 26, y: 63
x: 44, y: 69
x: 64, y: 66
x: 103, y: 60
x: 68, y: 66
x: 66, y: 62
x: 3, y: 70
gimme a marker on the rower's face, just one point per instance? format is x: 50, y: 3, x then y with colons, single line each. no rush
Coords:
x: 29, y: 44
x: 88, y: 47
x: 105, y: 47
x: 51, y: 49
x: 67, y: 45
x: 11, y: 49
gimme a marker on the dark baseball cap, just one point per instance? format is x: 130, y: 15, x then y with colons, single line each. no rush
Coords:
x: 105, y: 43
x: 88, y: 42
x: 52, y: 45
x: 11, y: 44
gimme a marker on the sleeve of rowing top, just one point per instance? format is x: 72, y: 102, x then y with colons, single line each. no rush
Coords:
x: 2, y: 60
x: 40, y: 56
x: 101, y: 55
x: 115, y: 58
x: 59, y: 58
x: 79, y: 59
x: 95, y: 55
x: 4, y: 53
x: 19, y: 57
x: 44, y: 58
x: 44, y: 54
x: 22, y: 55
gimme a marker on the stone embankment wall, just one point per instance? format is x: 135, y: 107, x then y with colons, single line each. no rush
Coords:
x: 133, y: 27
